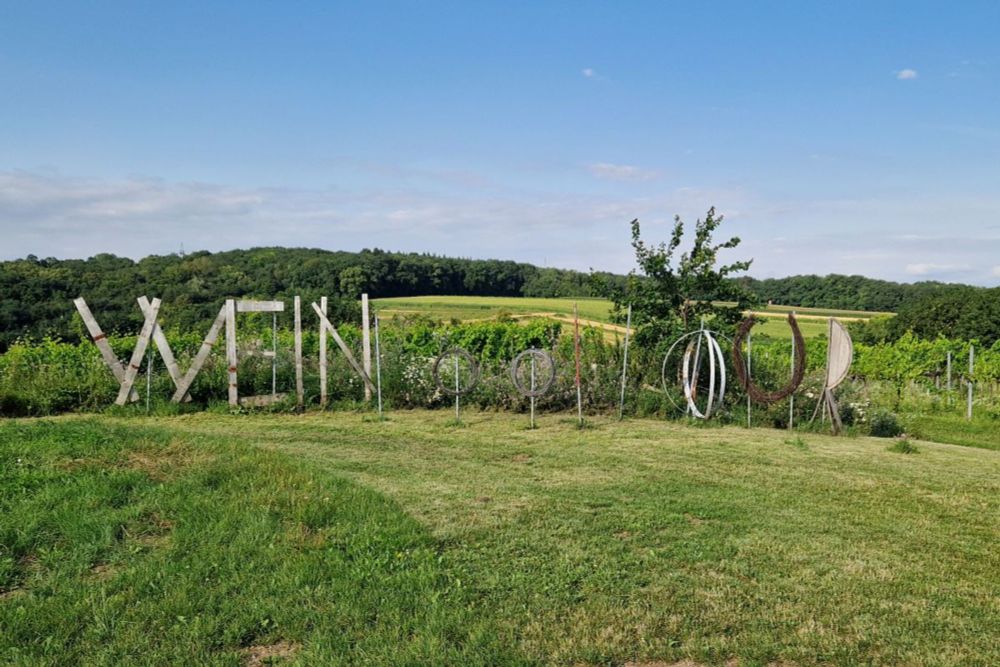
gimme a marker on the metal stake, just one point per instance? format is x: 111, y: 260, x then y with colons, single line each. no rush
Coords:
x: 791, y: 399
x: 576, y: 351
x: 628, y: 328
x: 968, y: 409
x: 274, y: 354
x: 749, y: 336
x: 149, y: 376
x: 456, y: 388
x: 532, y: 391
x: 378, y: 369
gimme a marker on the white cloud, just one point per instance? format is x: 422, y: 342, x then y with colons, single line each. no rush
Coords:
x: 588, y: 72
x: 924, y: 269
x: 621, y: 172
x: 906, y: 74
x: 995, y: 272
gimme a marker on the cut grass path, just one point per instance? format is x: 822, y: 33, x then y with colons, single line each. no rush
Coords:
x: 639, y: 540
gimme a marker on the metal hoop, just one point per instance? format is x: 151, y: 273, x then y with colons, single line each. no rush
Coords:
x: 473, y: 370
x: 714, y: 353
x: 666, y: 358
x: 546, y: 381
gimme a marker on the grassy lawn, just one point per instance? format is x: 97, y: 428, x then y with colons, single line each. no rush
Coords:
x: 211, y: 539
x: 812, y: 323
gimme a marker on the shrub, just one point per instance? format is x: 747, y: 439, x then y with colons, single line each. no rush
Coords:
x: 903, y: 446
x: 885, y: 425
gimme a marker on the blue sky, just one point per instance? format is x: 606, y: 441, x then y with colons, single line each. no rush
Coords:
x: 837, y: 137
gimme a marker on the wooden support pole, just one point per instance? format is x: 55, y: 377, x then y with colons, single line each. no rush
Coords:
x: 628, y: 329
x: 199, y: 360
x: 163, y: 345
x: 299, y: 390
x: 343, y: 347
x: 366, y: 344
x: 101, y: 341
x: 124, y: 392
x: 576, y: 355
x: 322, y: 356
x: 231, y: 358
x: 968, y: 407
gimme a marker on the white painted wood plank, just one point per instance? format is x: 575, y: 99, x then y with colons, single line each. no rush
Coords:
x: 343, y: 347
x: 137, y: 354
x: 322, y: 356
x: 299, y: 389
x: 231, y: 358
x: 101, y: 341
x: 366, y: 343
x: 199, y: 360
x: 163, y: 345
x: 260, y: 306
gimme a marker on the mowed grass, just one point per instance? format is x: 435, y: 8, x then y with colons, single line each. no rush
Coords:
x: 464, y: 308
x: 330, y: 539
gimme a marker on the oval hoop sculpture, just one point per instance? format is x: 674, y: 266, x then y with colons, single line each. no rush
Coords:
x: 540, y: 385
x: 689, y: 379
x: 716, y: 368
x: 457, y: 353
x: 798, y: 367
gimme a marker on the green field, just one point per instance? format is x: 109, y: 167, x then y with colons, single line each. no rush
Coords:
x: 812, y: 321
x: 334, y: 539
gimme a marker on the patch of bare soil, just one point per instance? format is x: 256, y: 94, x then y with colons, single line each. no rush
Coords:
x: 521, y: 458
x: 272, y: 654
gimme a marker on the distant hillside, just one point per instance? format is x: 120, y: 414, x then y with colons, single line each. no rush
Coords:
x: 36, y: 294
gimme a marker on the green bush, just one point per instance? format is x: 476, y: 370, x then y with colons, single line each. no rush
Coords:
x: 885, y: 425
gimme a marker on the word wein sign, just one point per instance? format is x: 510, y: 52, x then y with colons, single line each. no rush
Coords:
x: 126, y: 373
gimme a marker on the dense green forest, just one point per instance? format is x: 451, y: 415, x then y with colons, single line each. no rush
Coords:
x: 36, y: 294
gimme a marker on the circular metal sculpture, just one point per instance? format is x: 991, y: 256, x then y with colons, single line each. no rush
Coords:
x: 690, y: 370
x: 541, y: 374
x: 457, y: 356
x: 798, y: 365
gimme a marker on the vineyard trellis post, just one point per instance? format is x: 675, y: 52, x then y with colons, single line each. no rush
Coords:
x: 322, y: 356
x: 628, y: 329
x: 972, y: 357
x: 366, y: 344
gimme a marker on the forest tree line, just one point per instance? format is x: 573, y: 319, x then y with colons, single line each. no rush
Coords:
x: 36, y: 294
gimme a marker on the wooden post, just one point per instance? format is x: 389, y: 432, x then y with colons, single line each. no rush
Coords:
x: 791, y: 399
x: 749, y: 413
x: 576, y: 355
x: 343, y: 347
x: 366, y: 344
x: 299, y: 391
x: 322, y: 356
x: 968, y: 408
x: 199, y: 360
x: 231, y: 358
x: 163, y: 345
x: 132, y: 369
x: 101, y: 341
x: 378, y: 368
x: 628, y: 329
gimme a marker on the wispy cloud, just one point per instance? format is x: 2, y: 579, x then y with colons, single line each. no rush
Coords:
x: 926, y: 269
x: 996, y: 271
x: 906, y: 74
x: 621, y: 172
x: 588, y: 72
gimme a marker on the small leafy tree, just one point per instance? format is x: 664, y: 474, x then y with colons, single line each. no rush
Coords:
x: 670, y: 294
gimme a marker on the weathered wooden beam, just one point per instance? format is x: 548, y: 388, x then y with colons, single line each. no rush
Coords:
x: 262, y: 400
x: 366, y: 343
x: 199, y: 360
x: 163, y: 345
x: 322, y: 356
x: 260, y: 306
x: 231, y: 358
x: 343, y: 347
x: 299, y: 389
x: 125, y: 391
x: 101, y: 341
